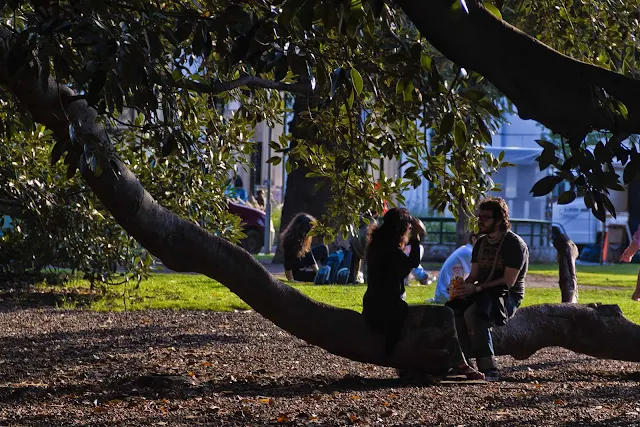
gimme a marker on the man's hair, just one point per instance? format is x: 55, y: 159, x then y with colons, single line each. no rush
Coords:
x: 499, y: 210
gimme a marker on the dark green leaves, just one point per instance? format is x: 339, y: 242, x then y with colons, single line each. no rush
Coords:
x: 460, y: 133
x: 548, y: 156
x: 473, y: 95
x: 446, y: 125
x: 356, y: 80
x: 566, y: 197
x: 545, y: 185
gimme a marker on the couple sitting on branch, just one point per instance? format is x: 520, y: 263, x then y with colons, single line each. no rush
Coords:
x: 488, y: 297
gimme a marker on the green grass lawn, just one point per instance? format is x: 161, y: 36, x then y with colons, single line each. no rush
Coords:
x: 614, y: 275
x: 197, y: 292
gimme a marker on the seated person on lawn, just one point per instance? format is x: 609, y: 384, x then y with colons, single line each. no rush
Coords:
x: 300, y: 260
x: 461, y: 257
x: 384, y: 308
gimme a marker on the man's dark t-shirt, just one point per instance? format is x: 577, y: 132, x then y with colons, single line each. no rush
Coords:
x: 514, y: 253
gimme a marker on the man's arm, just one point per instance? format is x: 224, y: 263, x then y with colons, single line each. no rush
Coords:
x: 469, y: 285
x: 509, y: 279
x: 473, y: 276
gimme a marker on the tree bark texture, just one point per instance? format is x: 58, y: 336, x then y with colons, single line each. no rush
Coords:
x: 183, y: 246
x: 545, y: 85
x: 597, y: 330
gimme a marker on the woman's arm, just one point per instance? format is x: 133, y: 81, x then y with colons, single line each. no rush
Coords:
x: 413, y: 260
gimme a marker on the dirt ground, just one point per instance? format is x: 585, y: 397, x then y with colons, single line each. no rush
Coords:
x: 170, y: 368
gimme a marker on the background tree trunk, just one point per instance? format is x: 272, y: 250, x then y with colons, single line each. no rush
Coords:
x: 301, y: 195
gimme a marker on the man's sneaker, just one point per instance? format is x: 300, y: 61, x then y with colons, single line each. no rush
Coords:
x: 491, y: 375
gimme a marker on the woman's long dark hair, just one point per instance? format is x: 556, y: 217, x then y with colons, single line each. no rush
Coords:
x: 294, y: 237
x: 396, y: 223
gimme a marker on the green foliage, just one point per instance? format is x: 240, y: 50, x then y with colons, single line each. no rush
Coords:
x: 58, y: 221
x: 603, y: 33
x: 370, y: 87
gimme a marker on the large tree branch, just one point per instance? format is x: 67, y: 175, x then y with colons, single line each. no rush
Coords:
x: 246, y: 80
x: 183, y: 246
x: 597, y: 330
x: 544, y: 84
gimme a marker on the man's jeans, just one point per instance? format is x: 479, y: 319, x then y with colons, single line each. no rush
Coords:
x: 474, y: 333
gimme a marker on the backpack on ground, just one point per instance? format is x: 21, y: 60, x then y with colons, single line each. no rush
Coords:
x: 327, y: 273
x: 344, y: 274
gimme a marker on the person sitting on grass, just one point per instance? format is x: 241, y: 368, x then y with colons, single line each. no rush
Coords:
x: 300, y: 260
x: 384, y: 308
x: 626, y: 256
x: 460, y: 259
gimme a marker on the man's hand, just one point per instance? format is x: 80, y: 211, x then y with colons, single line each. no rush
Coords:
x: 465, y: 290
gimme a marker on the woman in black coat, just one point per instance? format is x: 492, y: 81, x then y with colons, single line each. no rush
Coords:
x: 384, y: 307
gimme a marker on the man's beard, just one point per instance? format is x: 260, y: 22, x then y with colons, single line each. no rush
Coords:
x: 489, y: 229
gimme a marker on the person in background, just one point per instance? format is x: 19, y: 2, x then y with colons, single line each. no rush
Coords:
x: 383, y: 305
x: 241, y: 193
x: 628, y: 254
x: 260, y: 201
x: 460, y: 257
x: 300, y: 260
x: 567, y: 256
x: 419, y: 273
x: 494, y: 289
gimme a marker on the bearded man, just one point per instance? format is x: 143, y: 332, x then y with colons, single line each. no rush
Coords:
x: 495, y: 287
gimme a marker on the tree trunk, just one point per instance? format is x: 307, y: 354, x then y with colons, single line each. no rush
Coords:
x: 301, y: 194
x: 183, y: 246
x: 545, y: 85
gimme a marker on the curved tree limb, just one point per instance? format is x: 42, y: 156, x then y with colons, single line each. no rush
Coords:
x: 597, y: 330
x: 545, y: 85
x: 183, y: 246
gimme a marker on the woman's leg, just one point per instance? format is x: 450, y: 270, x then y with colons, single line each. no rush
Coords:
x: 304, y: 275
